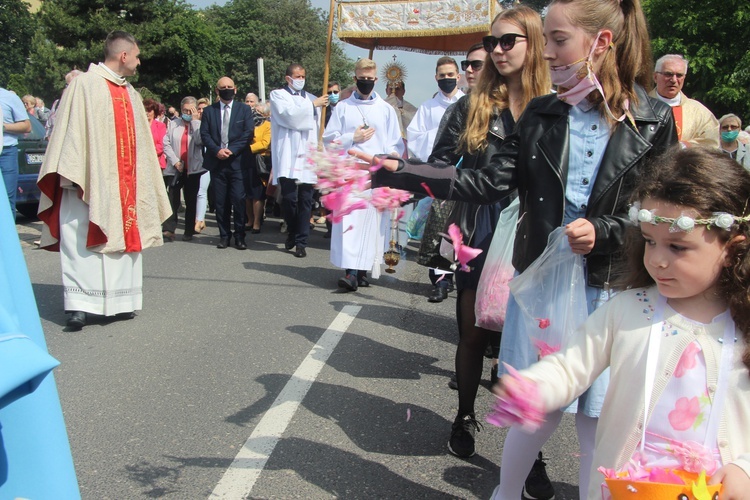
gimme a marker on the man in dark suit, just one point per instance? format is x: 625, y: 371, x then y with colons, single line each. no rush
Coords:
x: 226, y: 131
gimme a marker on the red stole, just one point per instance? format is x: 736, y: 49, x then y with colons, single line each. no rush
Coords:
x: 126, y: 160
x: 677, y: 111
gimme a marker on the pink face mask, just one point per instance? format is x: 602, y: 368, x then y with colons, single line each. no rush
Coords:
x: 577, y: 80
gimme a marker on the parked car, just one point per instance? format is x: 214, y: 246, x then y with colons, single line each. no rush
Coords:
x: 31, y: 149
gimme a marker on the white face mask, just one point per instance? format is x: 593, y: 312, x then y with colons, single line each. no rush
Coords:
x: 298, y: 84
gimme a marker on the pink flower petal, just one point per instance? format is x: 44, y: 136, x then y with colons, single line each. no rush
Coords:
x: 520, y: 406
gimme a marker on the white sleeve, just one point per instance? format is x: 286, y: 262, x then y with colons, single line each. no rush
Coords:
x: 335, y: 129
x: 419, y: 136
x: 294, y: 114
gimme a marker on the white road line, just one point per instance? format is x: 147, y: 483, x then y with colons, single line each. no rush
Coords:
x: 239, y: 479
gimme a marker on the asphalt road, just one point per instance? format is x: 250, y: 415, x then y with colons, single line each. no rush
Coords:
x: 160, y: 406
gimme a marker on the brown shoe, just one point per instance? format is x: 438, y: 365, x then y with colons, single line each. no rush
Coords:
x: 168, y: 235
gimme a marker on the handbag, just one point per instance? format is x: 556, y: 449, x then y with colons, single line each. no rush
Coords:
x: 434, y: 228
x: 493, y: 289
x: 261, y: 167
x: 551, y: 295
x: 22, y: 363
x: 178, y: 180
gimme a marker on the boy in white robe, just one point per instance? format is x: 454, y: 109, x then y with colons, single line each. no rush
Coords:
x: 367, y: 123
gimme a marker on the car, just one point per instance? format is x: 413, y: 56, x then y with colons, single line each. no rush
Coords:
x: 32, y: 147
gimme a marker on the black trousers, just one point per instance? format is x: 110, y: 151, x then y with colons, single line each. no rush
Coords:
x: 296, y: 207
x: 192, y: 184
x: 229, y: 194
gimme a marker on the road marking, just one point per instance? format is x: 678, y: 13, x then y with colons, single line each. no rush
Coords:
x: 239, y: 479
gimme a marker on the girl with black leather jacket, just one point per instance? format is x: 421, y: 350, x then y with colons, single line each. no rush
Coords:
x: 470, y: 134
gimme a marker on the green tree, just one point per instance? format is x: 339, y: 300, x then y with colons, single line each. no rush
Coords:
x: 282, y: 32
x: 179, y: 49
x: 713, y: 36
x: 17, y: 27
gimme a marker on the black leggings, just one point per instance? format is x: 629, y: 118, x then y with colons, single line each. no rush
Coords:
x: 472, y: 343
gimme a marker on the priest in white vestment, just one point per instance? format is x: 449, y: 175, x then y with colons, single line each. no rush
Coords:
x: 421, y: 134
x: 103, y: 198
x: 364, y: 122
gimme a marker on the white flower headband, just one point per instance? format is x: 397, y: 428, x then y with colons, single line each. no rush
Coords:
x: 685, y: 223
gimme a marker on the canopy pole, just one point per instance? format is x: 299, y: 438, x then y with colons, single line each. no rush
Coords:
x: 326, y: 71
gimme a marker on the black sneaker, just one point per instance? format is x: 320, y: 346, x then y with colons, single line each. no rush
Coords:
x: 538, y: 485
x: 461, y: 443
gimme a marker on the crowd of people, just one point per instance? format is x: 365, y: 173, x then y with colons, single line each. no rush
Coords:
x: 647, y: 184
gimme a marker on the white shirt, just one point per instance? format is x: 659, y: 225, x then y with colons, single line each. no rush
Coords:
x: 294, y: 131
x: 422, y: 131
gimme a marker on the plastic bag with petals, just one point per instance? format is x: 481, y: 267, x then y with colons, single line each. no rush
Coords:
x: 551, y: 294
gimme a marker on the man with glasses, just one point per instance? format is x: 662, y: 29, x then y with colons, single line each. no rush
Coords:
x: 696, y: 125
x: 334, y: 95
x: 472, y: 65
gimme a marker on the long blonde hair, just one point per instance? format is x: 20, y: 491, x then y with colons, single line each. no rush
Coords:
x: 629, y: 60
x: 490, y: 96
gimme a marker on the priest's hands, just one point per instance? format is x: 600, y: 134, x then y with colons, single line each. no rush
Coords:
x: 735, y: 483
x: 363, y: 134
x: 391, y: 165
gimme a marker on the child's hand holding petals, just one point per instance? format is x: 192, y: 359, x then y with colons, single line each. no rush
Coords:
x: 518, y: 403
x: 735, y: 482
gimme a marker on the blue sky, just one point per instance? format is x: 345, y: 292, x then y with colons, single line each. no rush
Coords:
x: 420, y: 78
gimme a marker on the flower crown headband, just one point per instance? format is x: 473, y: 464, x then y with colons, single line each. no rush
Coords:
x: 685, y: 223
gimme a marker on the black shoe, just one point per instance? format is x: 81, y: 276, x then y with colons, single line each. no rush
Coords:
x: 125, y: 316
x: 167, y: 235
x: 349, y: 282
x: 362, y: 281
x: 77, y: 320
x: 493, y: 375
x: 453, y: 383
x: 289, y: 244
x: 461, y: 443
x: 187, y: 237
x: 240, y: 245
x: 300, y: 252
x: 538, y: 485
x: 223, y: 243
x: 255, y: 231
x: 438, y: 294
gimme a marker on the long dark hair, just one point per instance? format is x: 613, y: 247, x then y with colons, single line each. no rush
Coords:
x: 707, y: 181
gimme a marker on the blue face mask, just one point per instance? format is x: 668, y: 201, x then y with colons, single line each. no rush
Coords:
x: 730, y: 136
x: 333, y: 98
x: 187, y: 118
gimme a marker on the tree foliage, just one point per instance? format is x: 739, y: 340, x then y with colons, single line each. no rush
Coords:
x: 713, y: 36
x: 179, y: 50
x: 282, y: 32
x: 17, y: 28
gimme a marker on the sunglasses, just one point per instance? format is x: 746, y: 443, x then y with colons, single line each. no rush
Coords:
x: 668, y: 75
x: 333, y: 92
x: 506, y: 42
x: 476, y: 65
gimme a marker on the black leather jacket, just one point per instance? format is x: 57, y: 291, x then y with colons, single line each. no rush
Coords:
x: 534, y: 160
x: 464, y: 213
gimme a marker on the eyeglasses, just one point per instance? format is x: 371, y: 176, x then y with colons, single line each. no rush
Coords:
x: 730, y: 126
x: 506, y: 42
x: 476, y: 65
x: 668, y: 75
x: 333, y: 92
